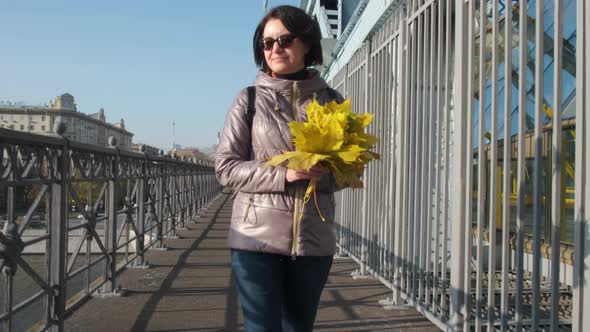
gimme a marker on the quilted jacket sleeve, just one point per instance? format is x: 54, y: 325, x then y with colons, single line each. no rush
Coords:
x: 233, y: 166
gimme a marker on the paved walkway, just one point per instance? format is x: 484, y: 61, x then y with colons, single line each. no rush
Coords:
x: 189, y: 288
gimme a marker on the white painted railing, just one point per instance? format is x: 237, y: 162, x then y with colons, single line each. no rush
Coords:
x: 476, y: 215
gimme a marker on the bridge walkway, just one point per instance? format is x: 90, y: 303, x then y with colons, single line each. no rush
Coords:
x: 189, y: 287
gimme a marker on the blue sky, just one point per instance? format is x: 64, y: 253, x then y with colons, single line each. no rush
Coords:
x: 149, y: 62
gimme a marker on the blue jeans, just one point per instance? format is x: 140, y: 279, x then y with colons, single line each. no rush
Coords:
x: 278, y: 293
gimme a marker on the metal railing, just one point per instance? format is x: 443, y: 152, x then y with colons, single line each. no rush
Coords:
x: 471, y: 214
x: 126, y: 202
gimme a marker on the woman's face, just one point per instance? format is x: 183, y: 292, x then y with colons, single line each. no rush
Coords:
x: 289, y: 59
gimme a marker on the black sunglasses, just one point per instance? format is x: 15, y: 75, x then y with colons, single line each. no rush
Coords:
x: 284, y: 42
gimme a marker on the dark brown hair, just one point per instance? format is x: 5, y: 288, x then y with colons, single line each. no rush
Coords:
x: 299, y: 24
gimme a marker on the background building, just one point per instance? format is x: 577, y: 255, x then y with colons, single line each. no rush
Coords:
x: 84, y: 128
x: 337, y: 19
x: 190, y: 153
x: 149, y: 150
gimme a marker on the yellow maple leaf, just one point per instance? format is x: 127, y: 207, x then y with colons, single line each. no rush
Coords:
x: 334, y: 136
x: 297, y: 160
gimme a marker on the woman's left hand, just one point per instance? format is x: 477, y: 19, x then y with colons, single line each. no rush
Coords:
x: 314, y: 173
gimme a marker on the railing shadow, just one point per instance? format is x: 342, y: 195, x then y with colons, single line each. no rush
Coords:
x: 149, y: 307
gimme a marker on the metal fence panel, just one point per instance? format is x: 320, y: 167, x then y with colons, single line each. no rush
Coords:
x: 125, y: 202
x: 581, y: 303
x: 469, y: 216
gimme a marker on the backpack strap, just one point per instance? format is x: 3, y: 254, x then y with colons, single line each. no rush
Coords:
x: 333, y: 94
x: 251, y: 110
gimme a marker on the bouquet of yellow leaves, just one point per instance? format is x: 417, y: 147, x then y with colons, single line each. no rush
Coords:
x: 333, y: 137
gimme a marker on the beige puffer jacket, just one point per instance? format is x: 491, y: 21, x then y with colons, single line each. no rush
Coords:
x: 265, y: 211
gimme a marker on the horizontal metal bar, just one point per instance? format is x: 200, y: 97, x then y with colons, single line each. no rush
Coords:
x: 17, y: 308
x: 150, y: 244
x: 357, y: 68
x: 151, y: 228
x: 26, y: 182
x: 31, y: 272
x: 85, y: 267
x: 92, y: 179
x: 354, y: 257
x: 76, y: 227
x: 385, y: 43
x: 78, y: 298
x: 420, y: 11
x: 15, y: 137
x: 109, y: 151
x: 529, y: 322
x: 127, y: 242
x: 43, y: 237
x: 425, y: 311
x: 124, y: 264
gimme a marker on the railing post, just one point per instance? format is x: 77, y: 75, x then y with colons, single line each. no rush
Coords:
x: 581, y: 303
x: 140, y: 199
x: 182, y: 196
x: 202, y: 189
x: 344, y: 243
x: 186, y: 203
x: 197, y: 190
x: 400, y: 161
x: 212, y: 179
x: 458, y: 180
x: 364, y: 219
x: 172, y: 187
x: 160, y: 205
x: 58, y: 232
x: 191, y: 193
x: 9, y: 270
x: 207, y: 187
x: 111, y: 226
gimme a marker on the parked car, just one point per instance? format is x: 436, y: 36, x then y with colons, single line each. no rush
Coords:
x: 37, y: 221
x: 3, y: 220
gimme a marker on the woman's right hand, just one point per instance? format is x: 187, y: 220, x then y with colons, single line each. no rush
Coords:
x: 314, y: 172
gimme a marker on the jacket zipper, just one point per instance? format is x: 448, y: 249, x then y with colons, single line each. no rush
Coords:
x: 250, y: 202
x: 296, y: 216
x: 298, y: 193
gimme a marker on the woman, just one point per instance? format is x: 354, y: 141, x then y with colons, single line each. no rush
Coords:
x: 280, y: 259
